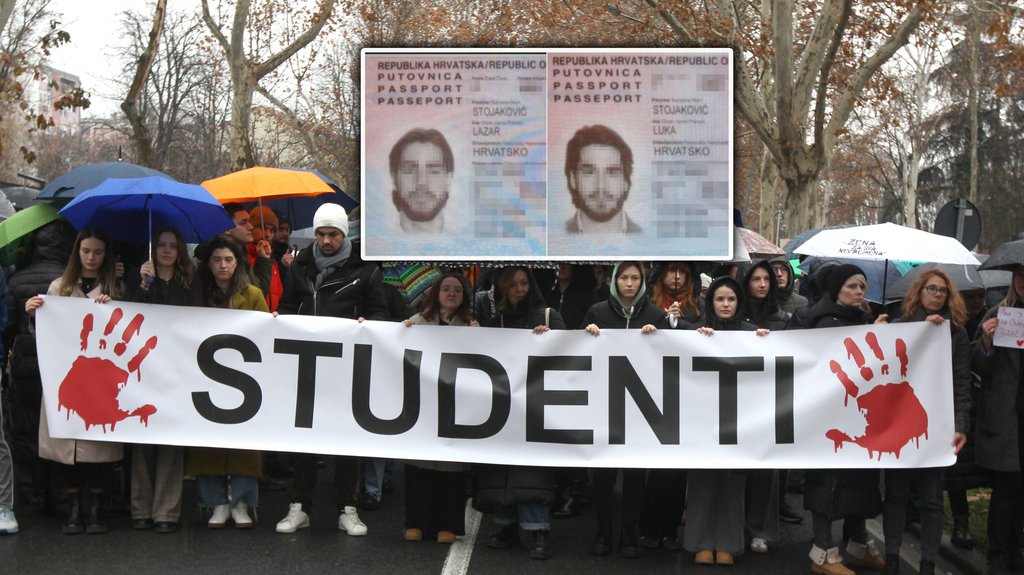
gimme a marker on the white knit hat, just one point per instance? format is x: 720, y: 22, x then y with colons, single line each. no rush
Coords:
x: 331, y: 216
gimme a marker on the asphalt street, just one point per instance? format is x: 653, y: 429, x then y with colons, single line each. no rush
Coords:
x: 41, y: 548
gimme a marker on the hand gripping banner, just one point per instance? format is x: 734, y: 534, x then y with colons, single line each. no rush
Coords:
x: 871, y: 396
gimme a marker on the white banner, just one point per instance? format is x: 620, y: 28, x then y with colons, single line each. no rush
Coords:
x: 872, y: 396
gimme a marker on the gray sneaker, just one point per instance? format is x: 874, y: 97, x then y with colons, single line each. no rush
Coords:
x: 8, y: 524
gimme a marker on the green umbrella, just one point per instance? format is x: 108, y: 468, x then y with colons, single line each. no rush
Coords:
x: 20, y: 225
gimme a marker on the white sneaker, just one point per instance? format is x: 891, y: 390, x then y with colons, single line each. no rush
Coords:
x: 349, y: 522
x: 8, y: 524
x: 240, y: 515
x: 295, y: 520
x: 219, y: 517
x: 758, y: 545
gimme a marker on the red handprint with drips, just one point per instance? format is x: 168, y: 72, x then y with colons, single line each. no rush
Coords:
x: 893, y: 412
x: 93, y: 384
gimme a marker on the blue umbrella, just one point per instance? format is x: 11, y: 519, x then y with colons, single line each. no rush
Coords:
x: 130, y: 208
x: 300, y: 210
x: 89, y: 176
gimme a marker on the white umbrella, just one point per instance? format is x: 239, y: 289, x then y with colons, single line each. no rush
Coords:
x: 887, y: 242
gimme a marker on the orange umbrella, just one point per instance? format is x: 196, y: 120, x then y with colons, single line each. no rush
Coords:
x: 255, y: 184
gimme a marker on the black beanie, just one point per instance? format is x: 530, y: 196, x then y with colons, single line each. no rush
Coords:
x: 837, y: 278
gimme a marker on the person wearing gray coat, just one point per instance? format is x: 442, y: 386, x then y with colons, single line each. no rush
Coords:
x: 999, y: 428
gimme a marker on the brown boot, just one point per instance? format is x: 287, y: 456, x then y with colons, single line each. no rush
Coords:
x: 828, y: 562
x: 865, y: 555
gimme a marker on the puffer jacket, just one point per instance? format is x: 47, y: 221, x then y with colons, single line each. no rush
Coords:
x: 352, y: 290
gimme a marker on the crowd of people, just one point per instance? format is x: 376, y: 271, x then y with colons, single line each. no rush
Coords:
x: 727, y: 512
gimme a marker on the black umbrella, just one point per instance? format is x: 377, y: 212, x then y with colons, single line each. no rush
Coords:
x: 1008, y: 256
x: 89, y: 176
x: 965, y: 278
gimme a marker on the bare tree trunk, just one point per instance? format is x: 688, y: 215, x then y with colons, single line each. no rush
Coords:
x: 6, y: 9
x: 801, y: 193
x: 246, y: 73
x: 242, y: 155
x: 140, y: 133
x: 769, y: 176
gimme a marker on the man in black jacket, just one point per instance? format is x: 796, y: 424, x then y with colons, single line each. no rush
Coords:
x: 329, y: 279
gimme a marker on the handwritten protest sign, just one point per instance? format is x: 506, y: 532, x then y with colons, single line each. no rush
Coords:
x: 1010, y: 332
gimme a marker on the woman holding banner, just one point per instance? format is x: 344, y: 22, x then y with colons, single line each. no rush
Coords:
x: 931, y: 298
x: 87, y: 465
x: 851, y: 494
x: 166, y: 279
x: 714, y: 497
x: 627, y: 307
x: 220, y: 472
x: 675, y: 288
x: 517, y: 494
x: 435, y: 491
x: 1001, y: 431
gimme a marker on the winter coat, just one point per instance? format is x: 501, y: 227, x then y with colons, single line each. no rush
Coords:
x: 502, y: 485
x: 164, y: 292
x: 574, y: 302
x: 528, y: 314
x: 352, y: 290
x: 275, y: 287
x: 220, y: 460
x: 840, y: 492
x: 611, y: 314
x: 51, y: 248
x: 71, y: 451
x: 788, y: 298
x: 961, y: 369
x: 999, y: 412
x: 764, y: 313
x: 690, y: 318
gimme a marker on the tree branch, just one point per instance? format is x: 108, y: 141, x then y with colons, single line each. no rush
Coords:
x: 130, y: 104
x: 814, y: 55
x: 819, y: 149
x: 214, y: 29
x: 844, y: 104
x: 261, y: 69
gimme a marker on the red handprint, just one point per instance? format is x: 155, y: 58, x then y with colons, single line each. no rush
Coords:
x: 893, y: 413
x: 92, y: 385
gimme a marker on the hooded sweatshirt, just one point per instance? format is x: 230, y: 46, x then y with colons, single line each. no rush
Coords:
x: 734, y: 323
x: 789, y: 300
x: 613, y: 314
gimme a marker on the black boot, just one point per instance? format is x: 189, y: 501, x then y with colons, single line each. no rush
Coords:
x: 74, y: 525
x: 95, y: 524
x: 602, y: 544
x: 627, y: 543
x: 927, y: 568
x: 540, y: 545
x: 506, y: 537
x: 961, y: 536
x: 892, y: 564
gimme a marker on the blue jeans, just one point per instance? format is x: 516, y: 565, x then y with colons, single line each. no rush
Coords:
x: 374, y: 471
x: 531, y: 516
x: 213, y: 490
